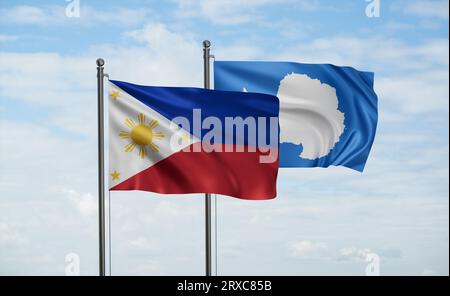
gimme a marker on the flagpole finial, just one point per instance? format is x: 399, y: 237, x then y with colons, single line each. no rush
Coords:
x: 206, y: 43
x: 100, y: 62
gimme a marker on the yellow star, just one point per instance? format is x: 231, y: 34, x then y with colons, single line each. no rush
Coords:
x: 115, y: 175
x: 114, y: 94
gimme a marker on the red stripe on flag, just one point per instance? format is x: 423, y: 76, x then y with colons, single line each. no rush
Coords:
x: 237, y: 174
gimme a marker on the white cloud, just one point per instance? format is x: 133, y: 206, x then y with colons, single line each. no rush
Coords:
x: 224, y: 12
x: 56, y: 15
x: 36, y: 83
x: 428, y: 272
x: 24, y: 14
x: 234, y: 12
x: 362, y: 53
x: 390, y: 253
x: 308, y: 207
x: 10, y: 237
x: 162, y: 229
x: 86, y: 203
x: 148, y: 267
x: 396, y: 26
x: 6, y: 38
x: 352, y: 253
x: 307, y: 5
x: 60, y: 83
x: 413, y: 79
x: 142, y: 243
x: 27, y: 149
x: 307, y: 249
x: 123, y: 16
x: 426, y: 8
x: 165, y: 58
x: 159, y: 38
x: 240, y: 50
x: 416, y: 93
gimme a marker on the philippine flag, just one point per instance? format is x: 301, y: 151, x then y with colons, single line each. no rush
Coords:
x: 176, y: 140
x: 328, y: 114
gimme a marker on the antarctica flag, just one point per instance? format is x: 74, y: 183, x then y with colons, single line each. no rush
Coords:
x: 328, y: 114
x: 177, y: 140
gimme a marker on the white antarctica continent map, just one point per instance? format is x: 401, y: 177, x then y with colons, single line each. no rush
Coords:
x: 309, y: 115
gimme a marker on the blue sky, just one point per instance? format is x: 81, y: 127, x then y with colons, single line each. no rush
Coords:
x: 324, y: 220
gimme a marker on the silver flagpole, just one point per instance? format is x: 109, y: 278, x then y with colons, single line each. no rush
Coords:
x: 101, y: 168
x: 206, y: 76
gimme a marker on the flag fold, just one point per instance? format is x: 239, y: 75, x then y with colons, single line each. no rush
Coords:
x: 177, y: 140
x: 328, y: 114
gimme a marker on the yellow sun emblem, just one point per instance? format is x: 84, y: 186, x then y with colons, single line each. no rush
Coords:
x: 141, y: 135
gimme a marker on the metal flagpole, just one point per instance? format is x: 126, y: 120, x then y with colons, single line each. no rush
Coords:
x: 101, y: 168
x: 208, y: 253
